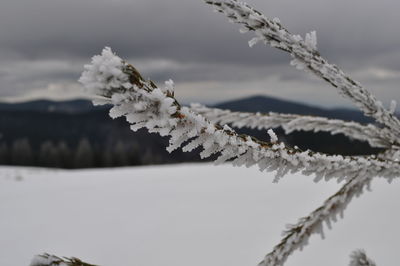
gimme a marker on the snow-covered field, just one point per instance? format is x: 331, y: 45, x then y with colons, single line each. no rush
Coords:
x: 183, y: 215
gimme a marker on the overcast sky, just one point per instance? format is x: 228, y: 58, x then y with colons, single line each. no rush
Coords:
x: 45, y: 43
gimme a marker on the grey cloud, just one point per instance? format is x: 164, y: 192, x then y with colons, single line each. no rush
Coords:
x: 47, y: 41
x: 188, y: 30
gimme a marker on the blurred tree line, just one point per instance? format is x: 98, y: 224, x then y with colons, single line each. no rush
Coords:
x: 83, y: 155
x: 86, y: 137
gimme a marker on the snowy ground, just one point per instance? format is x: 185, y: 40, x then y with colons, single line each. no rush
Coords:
x: 184, y: 215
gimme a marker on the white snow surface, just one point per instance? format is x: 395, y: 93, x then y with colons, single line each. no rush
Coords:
x: 180, y: 215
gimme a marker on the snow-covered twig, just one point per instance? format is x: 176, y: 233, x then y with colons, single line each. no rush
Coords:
x: 376, y: 137
x: 359, y: 258
x: 146, y: 106
x: 297, y: 235
x: 51, y: 260
x: 305, y: 56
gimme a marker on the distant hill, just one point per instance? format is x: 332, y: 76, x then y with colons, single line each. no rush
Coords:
x: 47, y: 106
x: 261, y: 104
x: 269, y: 104
x: 63, y: 134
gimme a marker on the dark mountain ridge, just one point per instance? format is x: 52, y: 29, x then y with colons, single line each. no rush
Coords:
x: 48, y: 106
x: 261, y: 104
x: 75, y: 134
x: 269, y: 104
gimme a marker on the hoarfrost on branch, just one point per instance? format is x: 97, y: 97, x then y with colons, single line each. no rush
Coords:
x: 145, y: 105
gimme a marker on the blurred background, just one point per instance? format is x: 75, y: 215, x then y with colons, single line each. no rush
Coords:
x: 175, y: 214
x: 46, y: 119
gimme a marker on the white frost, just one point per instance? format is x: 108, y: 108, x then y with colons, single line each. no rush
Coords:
x: 106, y: 72
x: 375, y: 136
x: 311, y: 40
x: 359, y: 258
x: 47, y: 260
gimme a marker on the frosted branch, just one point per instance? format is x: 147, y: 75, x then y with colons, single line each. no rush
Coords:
x: 359, y: 258
x: 146, y: 106
x: 376, y: 137
x: 305, y: 56
x: 391, y: 154
x: 51, y: 260
x: 297, y: 235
